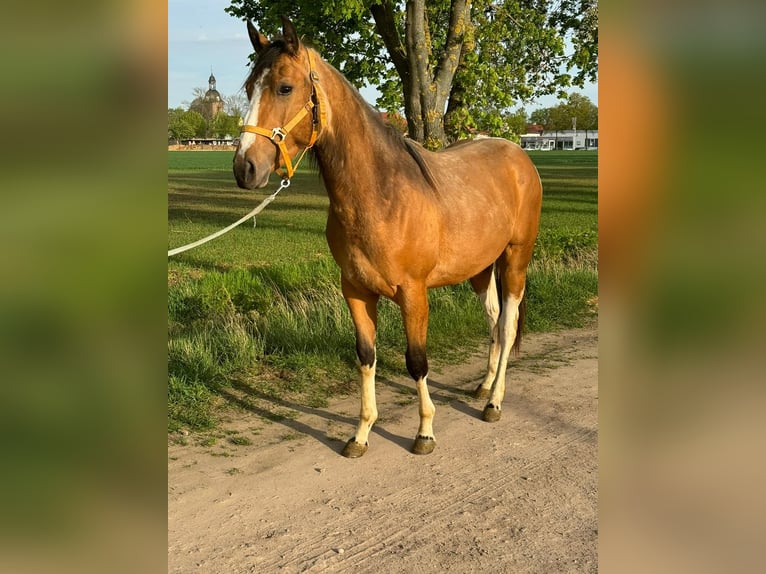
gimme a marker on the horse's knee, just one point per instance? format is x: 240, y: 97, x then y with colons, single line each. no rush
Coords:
x: 365, y: 352
x: 417, y: 362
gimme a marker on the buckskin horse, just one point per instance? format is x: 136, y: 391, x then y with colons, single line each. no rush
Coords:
x: 402, y: 219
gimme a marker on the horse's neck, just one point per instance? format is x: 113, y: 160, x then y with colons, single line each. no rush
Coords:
x: 352, y: 168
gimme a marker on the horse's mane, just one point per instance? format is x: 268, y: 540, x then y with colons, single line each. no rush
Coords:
x: 395, y: 138
x: 413, y: 148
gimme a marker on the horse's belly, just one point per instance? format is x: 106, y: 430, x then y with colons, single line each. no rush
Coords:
x: 463, y: 258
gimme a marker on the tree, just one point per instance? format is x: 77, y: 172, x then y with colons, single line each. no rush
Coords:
x: 198, y: 122
x: 236, y: 105
x: 541, y: 116
x: 583, y: 111
x: 178, y: 127
x: 185, y: 124
x: 428, y: 57
x: 223, y: 125
x: 577, y: 110
x: 515, y: 54
x: 580, y: 17
x: 198, y: 103
x: 516, y: 125
x: 577, y: 107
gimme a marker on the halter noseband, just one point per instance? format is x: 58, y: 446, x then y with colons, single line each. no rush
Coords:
x: 277, y: 135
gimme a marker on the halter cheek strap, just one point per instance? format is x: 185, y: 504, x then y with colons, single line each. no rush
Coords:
x: 277, y: 135
x: 317, y: 96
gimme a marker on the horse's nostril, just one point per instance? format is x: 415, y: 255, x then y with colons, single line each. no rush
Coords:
x: 244, y: 171
x: 249, y: 171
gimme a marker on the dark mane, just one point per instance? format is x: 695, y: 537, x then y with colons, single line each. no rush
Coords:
x: 413, y: 148
x: 395, y: 138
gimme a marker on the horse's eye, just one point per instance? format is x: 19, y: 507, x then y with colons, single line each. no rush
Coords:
x: 284, y: 90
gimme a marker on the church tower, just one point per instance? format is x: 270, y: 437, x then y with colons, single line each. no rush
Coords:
x: 212, y: 100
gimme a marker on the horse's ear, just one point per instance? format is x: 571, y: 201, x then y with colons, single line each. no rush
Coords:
x: 258, y: 40
x: 290, y: 35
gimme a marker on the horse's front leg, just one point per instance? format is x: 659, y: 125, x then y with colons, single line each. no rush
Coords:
x: 364, y: 312
x: 413, y: 302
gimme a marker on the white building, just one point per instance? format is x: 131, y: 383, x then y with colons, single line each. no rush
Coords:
x: 560, y: 140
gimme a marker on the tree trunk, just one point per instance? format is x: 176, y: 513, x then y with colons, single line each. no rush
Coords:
x: 455, y: 104
x: 426, y: 88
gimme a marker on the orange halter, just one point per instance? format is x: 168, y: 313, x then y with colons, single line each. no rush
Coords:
x: 318, y: 121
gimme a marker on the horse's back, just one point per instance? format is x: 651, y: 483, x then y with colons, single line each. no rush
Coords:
x: 489, y: 169
x: 489, y: 153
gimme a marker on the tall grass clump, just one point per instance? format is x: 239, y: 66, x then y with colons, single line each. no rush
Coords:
x: 562, y: 279
x: 202, y: 358
x: 288, y: 321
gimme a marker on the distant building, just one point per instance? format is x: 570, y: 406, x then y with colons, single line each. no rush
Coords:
x: 212, y: 101
x: 559, y: 140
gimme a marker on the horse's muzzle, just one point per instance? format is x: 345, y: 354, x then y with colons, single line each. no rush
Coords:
x: 247, y: 175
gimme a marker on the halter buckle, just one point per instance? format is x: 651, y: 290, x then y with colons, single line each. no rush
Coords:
x: 277, y: 135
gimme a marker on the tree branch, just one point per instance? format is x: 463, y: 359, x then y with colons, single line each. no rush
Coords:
x: 445, y: 71
x: 385, y: 24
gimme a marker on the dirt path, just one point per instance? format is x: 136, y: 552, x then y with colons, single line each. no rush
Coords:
x: 516, y: 496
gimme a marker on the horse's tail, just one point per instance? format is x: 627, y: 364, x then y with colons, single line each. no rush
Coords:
x: 516, y: 348
x: 520, y: 323
x: 498, y: 290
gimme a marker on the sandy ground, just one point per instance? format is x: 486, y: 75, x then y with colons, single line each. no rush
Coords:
x: 515, y: 496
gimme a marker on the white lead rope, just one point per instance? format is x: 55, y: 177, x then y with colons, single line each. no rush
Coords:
x: 285, y: 184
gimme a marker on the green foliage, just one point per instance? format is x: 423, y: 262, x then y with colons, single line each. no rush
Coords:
x: 511, y: 51
x: 580, y: 19
x: 565, y: 247
x: 342, y: 30
x: 179, y: 126
x: 190, y: 404
x: 211, y: 350
x: 223, y: 125
x: 185, y: 124
x: 560, y: 117
x: 194, y: 122
x: 515, y: 55
x: 545, y: 290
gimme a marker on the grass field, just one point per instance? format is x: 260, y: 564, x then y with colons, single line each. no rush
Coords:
x: 260, y: 308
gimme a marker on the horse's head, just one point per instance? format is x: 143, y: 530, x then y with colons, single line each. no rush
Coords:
x: 283, y: 117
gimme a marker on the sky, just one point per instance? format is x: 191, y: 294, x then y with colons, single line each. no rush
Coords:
x: 201, y: 37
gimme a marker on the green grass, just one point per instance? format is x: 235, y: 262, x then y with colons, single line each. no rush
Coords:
x: 256, y: 319
x: 200, y: 160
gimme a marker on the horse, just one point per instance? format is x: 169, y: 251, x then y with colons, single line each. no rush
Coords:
x: 401, y: 220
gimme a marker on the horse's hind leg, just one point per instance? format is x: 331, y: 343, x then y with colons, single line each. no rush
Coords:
x: 486, y: 288
x: 364, y: 313
x: 512, y: 266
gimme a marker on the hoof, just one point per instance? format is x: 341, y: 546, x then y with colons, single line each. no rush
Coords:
x: 424, y: 445
x: 491, y: 414
x: 353, y: 449
x: 481, y: 393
